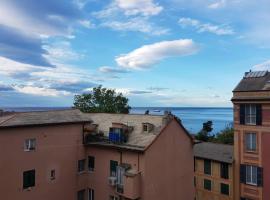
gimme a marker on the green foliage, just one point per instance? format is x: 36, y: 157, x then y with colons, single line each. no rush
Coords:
x: 102, y: 100
x: 225, y: 136
x: 204, y: 134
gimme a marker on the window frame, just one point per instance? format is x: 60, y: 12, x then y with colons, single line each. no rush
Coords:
x: 30, y: 144
x: 81, y: 168
x: 91, y: 167
x: 253, y: 175
x: 222, y: 189
x: 209, y: 171
x: 91, y: 194
x: 250, y: 117
x: 112, y: 172
x: 30, y: 175
x: 249, y: 144
x: 81, y: 192
x: 227, y: 174
x: 205, y: 184
x: 52, y: 174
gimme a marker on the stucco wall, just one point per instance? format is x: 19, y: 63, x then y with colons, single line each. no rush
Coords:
x: 58, y: 147
x: 168, y: 170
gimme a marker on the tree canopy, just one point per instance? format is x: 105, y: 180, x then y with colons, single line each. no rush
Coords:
x: 225, y: 136
x: 102, y: 100
x: 204, y: 133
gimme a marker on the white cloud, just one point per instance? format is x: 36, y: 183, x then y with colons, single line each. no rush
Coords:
x: 86, y: 24
x: 111, y: 70
x: 61, y: 52
x: 40, y: 91
x: 205, y: 27
x: 138, y: 24
x: 218, y: 4
x: 148, y: 55
x: 262, y: 66
x: 135, y: 7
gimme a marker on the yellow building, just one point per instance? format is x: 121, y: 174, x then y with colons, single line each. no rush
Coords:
x: 213, y: 164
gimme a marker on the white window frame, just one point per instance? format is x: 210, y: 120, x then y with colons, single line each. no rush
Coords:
x: 91, y: 194
x: 253, y: 175
x: 30, y: 144
x: 113, y: 197
x: 250, y: 116
x: 251, y: 141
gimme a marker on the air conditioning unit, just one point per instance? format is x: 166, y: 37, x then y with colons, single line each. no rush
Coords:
x: 112, y: 180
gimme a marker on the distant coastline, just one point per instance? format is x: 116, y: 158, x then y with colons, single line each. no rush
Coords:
x: 192, y: 117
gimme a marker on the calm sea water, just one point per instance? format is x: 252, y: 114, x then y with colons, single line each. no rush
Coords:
x: 192, y: 118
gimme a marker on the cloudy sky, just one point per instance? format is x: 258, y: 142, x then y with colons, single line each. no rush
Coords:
x: 156, y: 52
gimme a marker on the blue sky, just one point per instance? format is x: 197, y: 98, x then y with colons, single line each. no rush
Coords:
x: 156, y: 52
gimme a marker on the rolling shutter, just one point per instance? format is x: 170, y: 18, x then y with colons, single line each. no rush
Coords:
x: 242, y: 113
x: 258, y: 114
x: 260, y: 176
x: 242, y: 174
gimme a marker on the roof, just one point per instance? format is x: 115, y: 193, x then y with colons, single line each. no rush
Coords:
x: 43, y: 118
x: 138, y: 139
x: 214, y: 151
x: 254, y: 81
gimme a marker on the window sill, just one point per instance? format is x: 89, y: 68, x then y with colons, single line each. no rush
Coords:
x: 252, y: 184
x: 82, y: 172
x: 29, y: 150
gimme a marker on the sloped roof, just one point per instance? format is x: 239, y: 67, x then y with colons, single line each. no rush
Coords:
x: 137, y: 138
x: 254, y: 81
x: 214, y: 151
x: 43, y: 118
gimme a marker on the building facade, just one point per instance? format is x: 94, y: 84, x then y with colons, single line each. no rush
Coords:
x: 213, y: 164
x: 74, y: 156
x: 251, y: 99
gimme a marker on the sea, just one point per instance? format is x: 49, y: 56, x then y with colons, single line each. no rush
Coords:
x: 192, y: 117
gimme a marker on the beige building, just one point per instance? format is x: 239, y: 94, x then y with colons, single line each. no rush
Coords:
x: 73, y: 156
x: 213, y: 165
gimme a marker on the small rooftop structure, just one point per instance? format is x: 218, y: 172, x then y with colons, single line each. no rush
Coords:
x: 138, y: 139
x: 38, y: 118
x: 254, y: 81
x: 214, y: 151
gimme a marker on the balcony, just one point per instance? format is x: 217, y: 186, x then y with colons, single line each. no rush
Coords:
x: 130, y: 186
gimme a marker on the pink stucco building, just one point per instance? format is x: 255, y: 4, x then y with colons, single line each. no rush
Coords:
x: 69, y: 155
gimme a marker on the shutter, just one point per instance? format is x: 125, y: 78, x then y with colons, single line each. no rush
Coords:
x: 258, y: 114
x: 32, y: 178
x: 242, y: 173
x: 260, y: 176
x: 242, y: 113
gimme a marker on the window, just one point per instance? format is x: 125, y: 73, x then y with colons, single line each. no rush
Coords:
x: 251, y: 175
x: 224, y: 189
x: 28, y: 179
x: 81, y: 165
x: 52, y: 174
x: 80, y: 195
x: 224, y: 170
x: 113, y: 197
x: 91, y: 194
x: 30, y: 144
x: 207, y: 167
x: 91, y: 163
x: 251, y: 141
x: 145, y: 127
x: 251, y: 114
x: 113, y: 167
x: 207, y: 184
x: 250, y: 117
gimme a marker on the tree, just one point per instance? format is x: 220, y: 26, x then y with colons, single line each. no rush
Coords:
x: 204, y: 134
x: 102, y: 100
x: 226, y: 135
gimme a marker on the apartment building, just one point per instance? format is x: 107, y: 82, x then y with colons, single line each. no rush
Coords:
x: 213, y: 164
x: 251, y: 100
x: 74, y: 156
